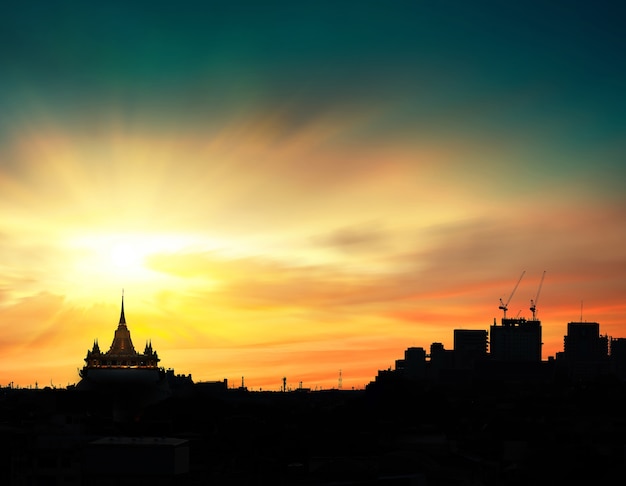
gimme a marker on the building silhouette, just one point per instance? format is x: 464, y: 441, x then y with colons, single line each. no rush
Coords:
x: 127, y: 378
x: 516, y: 339
x: 158, y: 461
x: 414, y: 363
x: 513, y: 355
x: 617, y: 357
x: 470, y: 346
x: 121, y: 362
x: 449, y: 416
x: 585, y: 352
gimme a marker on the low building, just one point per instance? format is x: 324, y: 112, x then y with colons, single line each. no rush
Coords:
x: 135, y: 460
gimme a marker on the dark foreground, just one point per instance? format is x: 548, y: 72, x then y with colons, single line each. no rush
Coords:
x: 398, y: 433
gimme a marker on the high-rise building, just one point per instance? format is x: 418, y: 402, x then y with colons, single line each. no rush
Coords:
x: 584, y: 343
x: 585, y: 351
x: 617, y: 357
x: 470, y: 345
x: 516, y: 339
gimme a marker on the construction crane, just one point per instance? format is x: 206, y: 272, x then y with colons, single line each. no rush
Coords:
x: 533, y: 302
x: 504, y: 306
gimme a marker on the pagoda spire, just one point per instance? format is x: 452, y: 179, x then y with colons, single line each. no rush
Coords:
x: 122, y: 317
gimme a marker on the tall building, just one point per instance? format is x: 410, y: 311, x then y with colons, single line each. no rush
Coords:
x: 584, y: 343
x: 585, y: 351
x: 470, y: 345
x: 516, y: 339
x: 618, y: 357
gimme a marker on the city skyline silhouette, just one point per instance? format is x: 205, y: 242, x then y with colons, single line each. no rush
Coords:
x: 293, y: 190
x: 505, y: 419
x: 360, y: 243
x: 515, y: 340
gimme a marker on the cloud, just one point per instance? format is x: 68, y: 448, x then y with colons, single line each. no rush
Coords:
x: 266, y: 282
x: 366, y: 237
x: 42, y: 327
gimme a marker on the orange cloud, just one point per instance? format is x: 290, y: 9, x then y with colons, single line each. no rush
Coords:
x: 273, y: 242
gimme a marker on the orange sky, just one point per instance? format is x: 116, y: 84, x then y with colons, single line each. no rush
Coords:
x: 282, y: 193
x: 236, y: 264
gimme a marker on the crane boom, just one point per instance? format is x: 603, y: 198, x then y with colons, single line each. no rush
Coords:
x: 504, y: 306
x: 533, y: 302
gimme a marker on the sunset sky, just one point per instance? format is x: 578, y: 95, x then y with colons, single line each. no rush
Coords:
x: 298, y: 188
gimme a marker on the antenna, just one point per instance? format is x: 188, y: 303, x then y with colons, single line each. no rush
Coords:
x: 340, y: 384
x: 581, y: 311
x: 533, y: 302
x: 504, y: 306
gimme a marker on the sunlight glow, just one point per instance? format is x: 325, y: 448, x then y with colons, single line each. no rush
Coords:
x: 125, y: 256
x: 119, y: 259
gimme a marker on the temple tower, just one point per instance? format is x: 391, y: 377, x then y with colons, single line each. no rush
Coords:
x: 122, y: 363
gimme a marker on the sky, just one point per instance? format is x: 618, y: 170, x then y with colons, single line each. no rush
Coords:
x: 305, y: 189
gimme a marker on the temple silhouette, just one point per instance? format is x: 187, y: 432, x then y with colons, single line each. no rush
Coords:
x: 121, y: 364
x: 129, y: 379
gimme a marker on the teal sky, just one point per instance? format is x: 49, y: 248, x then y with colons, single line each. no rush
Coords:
x: 359, y: 175
x: 537, y: 73
x: 521, y: 64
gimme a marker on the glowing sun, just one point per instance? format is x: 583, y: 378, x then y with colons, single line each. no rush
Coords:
x: 125, y: 255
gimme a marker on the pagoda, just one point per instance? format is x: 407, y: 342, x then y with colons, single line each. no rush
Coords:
x: 121, y: 364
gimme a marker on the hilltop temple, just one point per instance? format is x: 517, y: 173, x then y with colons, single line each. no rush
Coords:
x: 121, y: 365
